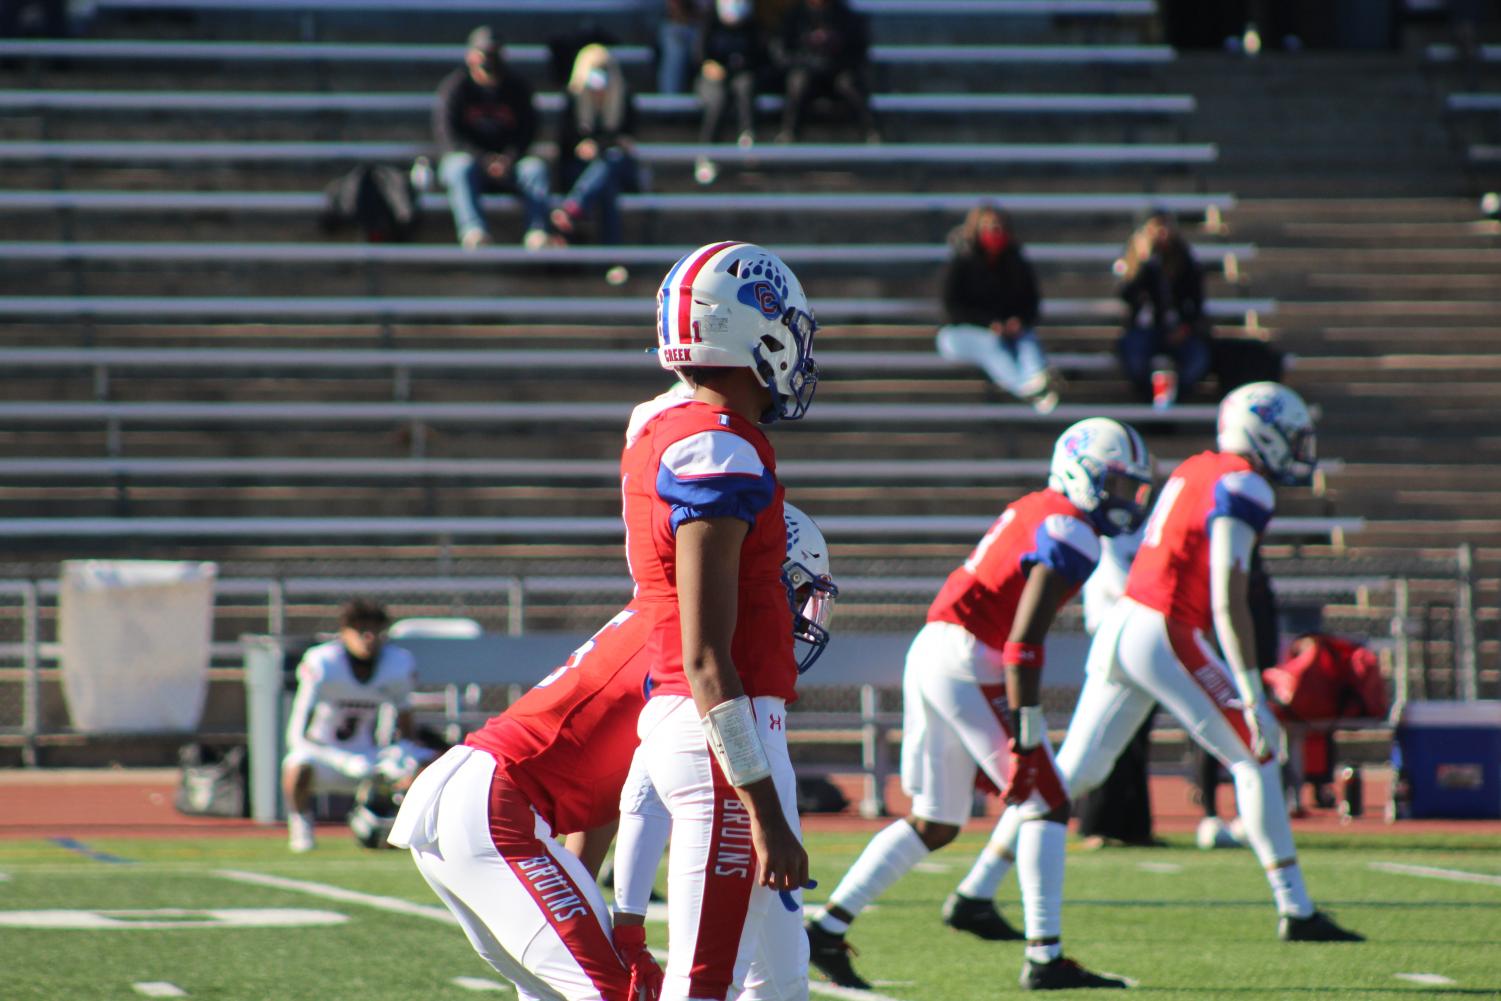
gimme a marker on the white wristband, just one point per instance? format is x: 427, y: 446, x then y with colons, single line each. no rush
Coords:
x: 731, y: 730
x: 1031, y: 727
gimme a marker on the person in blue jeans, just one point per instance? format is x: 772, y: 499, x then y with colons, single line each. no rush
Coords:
x: 595, y: 144
x: 677, y: 43
x: 991, y: 301
x: 483, y: 124
x: 1163, y: 289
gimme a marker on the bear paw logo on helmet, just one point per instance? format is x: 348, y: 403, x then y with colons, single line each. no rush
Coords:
x: 736, y: 305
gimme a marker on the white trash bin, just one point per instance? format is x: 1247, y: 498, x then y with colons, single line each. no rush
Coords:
x: 135, y: 640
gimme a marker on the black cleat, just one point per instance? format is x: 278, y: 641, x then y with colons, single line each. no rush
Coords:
x: 830, y: 955
x: 979, y: 918
x: 1063, y: 974
x: 1317, y: 927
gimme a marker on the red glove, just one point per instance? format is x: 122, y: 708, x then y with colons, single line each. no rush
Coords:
x: 646, y: 975
x: 1032, y: 772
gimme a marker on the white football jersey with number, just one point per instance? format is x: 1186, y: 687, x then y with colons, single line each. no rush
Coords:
x: 340, y: 709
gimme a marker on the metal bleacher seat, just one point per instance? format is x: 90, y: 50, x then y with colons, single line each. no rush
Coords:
x: 954, y: 155
x: 1040, y: 8
x: 1473, y: 102
x: 628, y: 55
x: 1441, y: 53
x: 970, y: 470
x: 421, y: 103
x: 836, y: 255
x: 953, y: 527
x: 863, y: 202
x: 600, y: 309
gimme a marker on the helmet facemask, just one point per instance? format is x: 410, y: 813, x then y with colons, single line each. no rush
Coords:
x: 811, y: 597
x: 732, y: 305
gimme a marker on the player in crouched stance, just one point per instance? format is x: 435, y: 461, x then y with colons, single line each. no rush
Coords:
x: 1190, y: 579
x: 706, y: 542
x: 972, y: 702
x: 342, y: 686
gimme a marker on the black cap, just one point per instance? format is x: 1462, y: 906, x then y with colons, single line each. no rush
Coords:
x: 483, y: 38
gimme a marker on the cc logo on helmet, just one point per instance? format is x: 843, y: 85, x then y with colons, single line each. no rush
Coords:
x: 763, y: 296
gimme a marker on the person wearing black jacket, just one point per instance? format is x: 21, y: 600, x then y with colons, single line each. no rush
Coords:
x: 825, y: 47
x: 991, y: 301
x: 595, y: 143
x: 732, y: 57
x: 483, y: 125
x: 1163, y: 289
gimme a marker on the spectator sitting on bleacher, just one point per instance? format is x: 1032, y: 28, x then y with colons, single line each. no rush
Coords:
x: 991, y: 300
x: 825, y: 48
x: 677, y: 41
x: 1164, y: 349
x: 483, y: 124
x: 595, y: 144
x: 332, y: 744
x: 732, y: 57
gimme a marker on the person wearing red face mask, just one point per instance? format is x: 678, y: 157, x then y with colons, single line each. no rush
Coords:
x: 991, y: 302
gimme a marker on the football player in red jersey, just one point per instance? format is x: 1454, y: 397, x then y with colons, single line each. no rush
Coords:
x: 1187, y: 583
x: 705, y: 541
x: 561, y: 751
x: 972, y: 698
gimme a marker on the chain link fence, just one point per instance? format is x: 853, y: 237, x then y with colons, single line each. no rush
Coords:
x: 1420, y: 613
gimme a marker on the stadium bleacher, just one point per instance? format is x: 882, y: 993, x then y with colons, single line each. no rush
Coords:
x: 411, y: 375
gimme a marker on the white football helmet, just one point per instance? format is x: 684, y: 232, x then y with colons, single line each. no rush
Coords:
x: 1104, y: 468
x: 810, y: 589
x: 1271, y: 423
x: 736, y: 305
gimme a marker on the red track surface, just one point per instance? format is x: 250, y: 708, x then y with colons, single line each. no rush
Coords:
x: 138, y: 803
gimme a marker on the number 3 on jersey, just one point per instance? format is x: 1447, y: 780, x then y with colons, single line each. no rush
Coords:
x: 1170, y: 492
x: 575, y: 658
x: 973, y: 563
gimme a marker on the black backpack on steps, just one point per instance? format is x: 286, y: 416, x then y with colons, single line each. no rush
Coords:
x: 377, y: 199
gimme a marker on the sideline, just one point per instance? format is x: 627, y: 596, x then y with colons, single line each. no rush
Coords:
x: 1432, y: 872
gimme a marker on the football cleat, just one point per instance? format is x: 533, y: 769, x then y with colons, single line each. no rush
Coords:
x: 1063, y: 974
x: 979, y: 918
x: 1317, y: 927
x: 830, y: 955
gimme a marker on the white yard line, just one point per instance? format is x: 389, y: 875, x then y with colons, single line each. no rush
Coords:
x: 392, y: 904
x: 1166, y: 868
x: 1431, y: 979
x: 1432, y: 872
x: 397, y: 906
x: 479, y: 984
x: 832, y: 991
x: 159, y: 989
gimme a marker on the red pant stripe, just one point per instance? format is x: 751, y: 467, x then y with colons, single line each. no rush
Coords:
x: 513, y: 831
x: 729, y: 878
x: 1187, y: 645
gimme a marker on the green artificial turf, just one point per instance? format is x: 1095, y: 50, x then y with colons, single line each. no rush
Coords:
x: 1181, y: 922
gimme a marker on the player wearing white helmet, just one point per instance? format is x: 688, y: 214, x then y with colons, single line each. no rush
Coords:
x: 779, y: 969
x: 971, y: 696
x: 1188, y: 580
x: 706, y: 541
x: 557, y: 759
